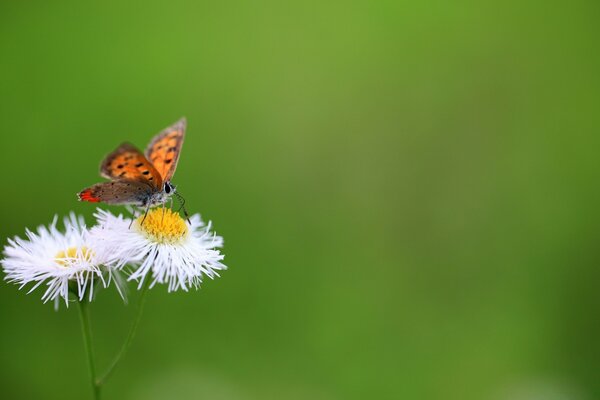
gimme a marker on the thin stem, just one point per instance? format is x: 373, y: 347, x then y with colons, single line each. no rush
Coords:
x: 102, y: 380
x: 87, y: 342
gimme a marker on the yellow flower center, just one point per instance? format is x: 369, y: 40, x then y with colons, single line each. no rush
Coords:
x: 65, y: 257
x: 162, y: 225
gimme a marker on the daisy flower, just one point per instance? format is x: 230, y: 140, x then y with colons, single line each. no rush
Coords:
x: 161, y: 247
x: 62, y: 261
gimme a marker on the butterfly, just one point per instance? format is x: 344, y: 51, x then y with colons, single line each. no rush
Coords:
x: 140, y: 179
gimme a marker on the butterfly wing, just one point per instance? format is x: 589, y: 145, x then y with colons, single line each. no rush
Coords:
x: 163, y: 151
x: 127, y: 163
x: 117, y: 193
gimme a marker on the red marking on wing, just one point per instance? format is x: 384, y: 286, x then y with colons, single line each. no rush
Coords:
x: 86, y: 195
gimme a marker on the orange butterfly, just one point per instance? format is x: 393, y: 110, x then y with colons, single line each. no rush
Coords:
x: 140, y: 179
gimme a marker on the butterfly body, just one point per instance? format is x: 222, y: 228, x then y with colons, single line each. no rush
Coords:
x: 157, y: 198
x: 140, y: 179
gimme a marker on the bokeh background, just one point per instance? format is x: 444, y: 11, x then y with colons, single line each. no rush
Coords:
x: 408, y: 193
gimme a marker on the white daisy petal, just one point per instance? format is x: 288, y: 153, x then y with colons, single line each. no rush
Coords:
x: 163, y: 248
x: 59, y: 260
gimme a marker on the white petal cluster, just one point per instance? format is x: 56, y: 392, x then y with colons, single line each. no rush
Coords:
x: 61, y: 261
x: 161, y: 249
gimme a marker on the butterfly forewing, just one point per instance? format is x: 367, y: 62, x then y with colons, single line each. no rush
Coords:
x: 117, y: 193
x: 127, y: 163
x: 164, y: 149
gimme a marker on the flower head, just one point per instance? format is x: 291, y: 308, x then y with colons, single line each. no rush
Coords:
x: 162, y: 245
x: 63, y: 261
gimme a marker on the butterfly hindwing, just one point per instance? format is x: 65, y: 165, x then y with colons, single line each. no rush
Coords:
x: 164, y: 149
x: 117, y: 193
x: 128, y: 163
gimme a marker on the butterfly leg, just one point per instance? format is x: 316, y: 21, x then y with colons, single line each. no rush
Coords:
x: 134, y: 212
x: 170, y: 206
x: 145, y: 214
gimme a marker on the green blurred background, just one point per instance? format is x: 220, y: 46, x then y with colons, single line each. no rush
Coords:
x: 408, y: 193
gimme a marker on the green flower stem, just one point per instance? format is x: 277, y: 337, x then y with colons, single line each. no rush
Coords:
x: 102, y: 380
x: 87, y: 342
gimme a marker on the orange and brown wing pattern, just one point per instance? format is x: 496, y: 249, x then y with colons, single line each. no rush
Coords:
x: 128, y: 163
x: 164, y: 149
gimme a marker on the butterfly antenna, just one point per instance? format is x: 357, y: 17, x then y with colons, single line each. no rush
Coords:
x: 182, y: 207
